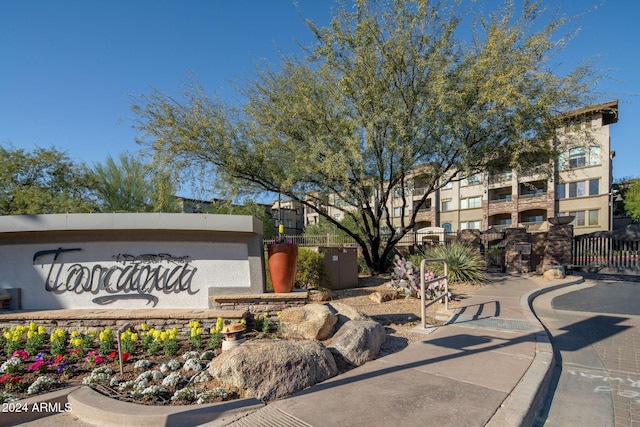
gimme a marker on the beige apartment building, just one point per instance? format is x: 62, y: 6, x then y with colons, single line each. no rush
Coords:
x: 580, y: 187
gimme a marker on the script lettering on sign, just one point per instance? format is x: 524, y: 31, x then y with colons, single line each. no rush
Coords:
x: 132, y: 276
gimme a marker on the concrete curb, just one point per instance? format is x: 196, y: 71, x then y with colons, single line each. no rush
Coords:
x: 36, y: 407
x: 95, y: 408
x: 522, y: 405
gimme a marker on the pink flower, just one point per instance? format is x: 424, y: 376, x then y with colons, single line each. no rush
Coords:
x: 21, y: 354
x: 37, y: 365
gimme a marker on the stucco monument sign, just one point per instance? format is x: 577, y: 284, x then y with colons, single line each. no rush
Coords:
x: 129, y: 260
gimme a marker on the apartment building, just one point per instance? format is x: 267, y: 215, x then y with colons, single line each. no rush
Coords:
x: 289, y: 213
x: 580, y: 187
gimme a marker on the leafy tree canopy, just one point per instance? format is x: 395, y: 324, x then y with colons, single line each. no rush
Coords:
x: 43, y: 181
x: 389, y: 89
x: 129, y: 186
x: 632, y: 200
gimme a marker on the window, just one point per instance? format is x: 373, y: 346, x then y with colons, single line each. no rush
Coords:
x: 561, y: 191
x: 398, y: 212
x: 579, y: 218
x: 582, y: 218
x: 578, y: 189
x: 594, y: 156
x: 448, y: 186
x: 470, y: 225
x: 399, y: 192
x: 594, y: 187
x: 471, y: 203
x: 446, y: 205
x: 447, y: 227
x: 562, y: 161
x: 535, y: 218
x: 470, y: 180
x: 577, y: 157
x: 504, y: 221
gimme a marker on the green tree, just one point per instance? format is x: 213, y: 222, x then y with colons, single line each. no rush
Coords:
x: 389, y: 88
x: 129, y: 186
x: 43, y: 181
x: 632, y: 200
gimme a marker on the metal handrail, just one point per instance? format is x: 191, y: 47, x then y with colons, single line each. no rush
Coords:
x: 423, y: 287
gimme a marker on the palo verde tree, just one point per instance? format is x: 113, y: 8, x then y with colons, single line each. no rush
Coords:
x: 389, y: 88
x: 128, y: 185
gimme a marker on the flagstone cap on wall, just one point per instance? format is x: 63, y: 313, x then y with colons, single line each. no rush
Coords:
x: 130, y: 221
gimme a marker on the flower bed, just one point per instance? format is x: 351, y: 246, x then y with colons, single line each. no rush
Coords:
x: 158, y: 367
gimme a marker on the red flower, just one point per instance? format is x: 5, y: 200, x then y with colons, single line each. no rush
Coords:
x: 125, y: 356
x: 4, y: 378
x: 58, y: 359
x: 112, y: 355
x: 74, y: 351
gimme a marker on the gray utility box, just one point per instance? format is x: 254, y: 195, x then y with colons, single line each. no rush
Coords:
x: 342, y: 266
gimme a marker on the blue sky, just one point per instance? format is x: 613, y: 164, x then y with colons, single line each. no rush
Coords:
x: 67, y: 68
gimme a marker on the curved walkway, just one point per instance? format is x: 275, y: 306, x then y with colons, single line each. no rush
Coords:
x: 490, y: 365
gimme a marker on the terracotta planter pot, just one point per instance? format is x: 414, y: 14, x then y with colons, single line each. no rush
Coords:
x: 283, y: 264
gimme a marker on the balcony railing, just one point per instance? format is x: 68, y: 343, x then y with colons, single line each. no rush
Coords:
x: 531, y: 195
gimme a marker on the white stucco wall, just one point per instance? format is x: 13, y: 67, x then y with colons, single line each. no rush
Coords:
x: 65, y: 263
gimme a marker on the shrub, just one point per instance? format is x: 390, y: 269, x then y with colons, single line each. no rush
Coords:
x: 465, y: 264
x: 312, y: 273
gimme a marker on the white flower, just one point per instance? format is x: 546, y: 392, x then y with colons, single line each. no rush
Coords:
x: 208, y: 396
x: 154, y: 390
x: 187, y: 394
x: 172, y: 365
x: 39, y: 385
x: 140, y: 385
x: 7, y: 397
x: 127, y: 385
x: 145, y: 376
x: 173, y: 379
x: 192, y: 365
x: 191, y: 355
x: 142, y: 364
x: 200, y: 377
x: 14, y: 361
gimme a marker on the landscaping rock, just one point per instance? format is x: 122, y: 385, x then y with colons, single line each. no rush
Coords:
x: 321, y: 295
x: 553, y: 274
x: 383, y: 293
x: 272, y: 369
x: 346, y: 312
x: 311, y: 322
x: 357, y: 341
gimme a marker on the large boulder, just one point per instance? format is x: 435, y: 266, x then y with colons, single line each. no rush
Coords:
x: 357, y: 341
x: 311, y: 322
x: 553, y: 274
x: 272, y: 369
x: 345, y: 312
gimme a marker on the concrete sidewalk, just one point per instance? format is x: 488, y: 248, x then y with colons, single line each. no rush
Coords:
x: 490, y: 365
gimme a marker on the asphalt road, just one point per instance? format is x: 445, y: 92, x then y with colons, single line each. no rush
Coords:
x: 595, y: 330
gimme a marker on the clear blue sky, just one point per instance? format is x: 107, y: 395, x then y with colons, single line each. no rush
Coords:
x: 67, y: 68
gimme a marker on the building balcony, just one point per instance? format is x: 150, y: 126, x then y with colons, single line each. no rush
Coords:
x: 425, y: 215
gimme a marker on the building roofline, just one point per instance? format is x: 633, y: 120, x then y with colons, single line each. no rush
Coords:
x: 608, y: 109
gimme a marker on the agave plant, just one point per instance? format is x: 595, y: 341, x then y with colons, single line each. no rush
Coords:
x: 465, y: 263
